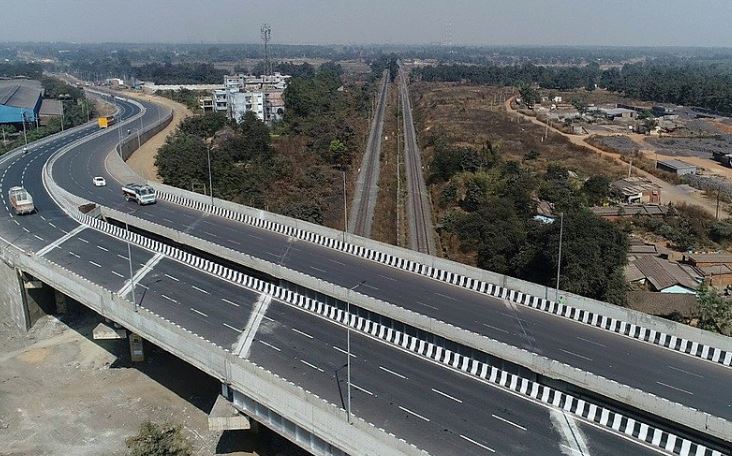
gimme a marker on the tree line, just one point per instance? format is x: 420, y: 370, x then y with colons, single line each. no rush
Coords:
x: 704, y: 84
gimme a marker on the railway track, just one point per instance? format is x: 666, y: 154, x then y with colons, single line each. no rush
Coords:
x: 361, y: 216
x: 419, y: 209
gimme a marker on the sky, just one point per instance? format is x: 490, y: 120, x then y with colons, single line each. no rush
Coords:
x: 460, y: 22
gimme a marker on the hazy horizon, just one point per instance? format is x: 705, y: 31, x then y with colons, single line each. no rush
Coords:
x: 654, y: 23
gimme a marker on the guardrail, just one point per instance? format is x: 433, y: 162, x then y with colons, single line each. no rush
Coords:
x: 646, y: 328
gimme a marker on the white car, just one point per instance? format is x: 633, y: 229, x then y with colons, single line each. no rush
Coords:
x: 99, y: 181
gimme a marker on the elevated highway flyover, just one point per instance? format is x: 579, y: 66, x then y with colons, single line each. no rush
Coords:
x: 283, y: 364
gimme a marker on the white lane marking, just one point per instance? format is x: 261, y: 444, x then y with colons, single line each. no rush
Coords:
x: 254, y: 236
x: 572, y: 437
x: 52, y: 224
x: 414, y: 413
x: 337, y: 262
x: 42, y: 218
x: 362, y: 389
x: 447, y: 395
x: 229, y: 302
x: 199, y: 289
x: 392, y: 372
x: 231, y: 327
x: 169, y: 299
x: 73, y: 254
x: 16, y: 222
x: 318, y: 269
x: 199, y: 312
x: 497, y: 329
x: 210, y: 234
x: 171, y: 277
x: 675, y: 388
x: 388, y: 278
x: 118, y: 274
x: 370, y: 286
x: 102, y: 248
x: 122, y: 256
x: 686, y: 372
x: 464, y: 437
x: 38, y: 237
x: 26, y: 230
x: 95, y: 264
x: 426, y: 305
x: 303, y: 333
x: 591, y: 342
x: 499, y: 418
x: 140, y: 274
x: 446, y: 296
x: 268, y: 345
x: 82, y: 240
x: 311, y: 365
x: 344, y: 352
x: 575, y: 354
x: 244, y: 343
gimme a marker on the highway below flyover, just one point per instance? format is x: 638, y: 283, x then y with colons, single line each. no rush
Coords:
x: 438, y: 409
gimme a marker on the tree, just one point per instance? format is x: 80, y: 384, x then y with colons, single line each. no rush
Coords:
x: 203, y: 126
x: 715, y: 312
x: 158, y: 440
x: 596, y: 189
x: 337, y: 153
x: 529, y: 95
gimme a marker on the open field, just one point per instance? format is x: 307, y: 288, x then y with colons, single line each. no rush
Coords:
x: 62, y: 393
x: 465, y: 116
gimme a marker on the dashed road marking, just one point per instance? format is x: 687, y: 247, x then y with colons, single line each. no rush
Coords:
x: 575, y: 354
x: 303, y: 333
x: 464, y: 437
x: 117, y: 274
x: 344, y: 352
x: 392, y: 372
x: 508, y: 422
x: 95, y: 264
x: 362, y: 389
x: 230, y: 302
x: 675, y: 388
x: 199, y: 312
x: 414, y: 413
x: 268, y: 345
x: 231, y: 327
x: 447, y: 396
x: 199, y: 289
x: 171, y: 277
x: 311, y: 365
x: 103, y: 248
x: 169, y: 298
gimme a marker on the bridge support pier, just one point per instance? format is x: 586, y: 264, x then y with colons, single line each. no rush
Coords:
x: 26, y: 298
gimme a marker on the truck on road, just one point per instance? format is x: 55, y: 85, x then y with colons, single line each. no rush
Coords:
x: 21, y: 201
x: 140, y: 193
x: 106, y: 121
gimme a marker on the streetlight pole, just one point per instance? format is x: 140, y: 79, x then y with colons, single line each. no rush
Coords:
x: 348, y: 345
x: 559, y: 261
x: 129, y: 259
x: 345, y: 207
x: 210, y: 177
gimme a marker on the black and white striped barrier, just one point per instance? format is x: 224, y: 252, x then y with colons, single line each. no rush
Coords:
x: 617, y: 422
x: 714, y: 354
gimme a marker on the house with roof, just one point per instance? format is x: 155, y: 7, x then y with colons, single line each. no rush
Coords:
x: 660, y: 275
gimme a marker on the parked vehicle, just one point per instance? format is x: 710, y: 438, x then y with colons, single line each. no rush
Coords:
x: 21, y: 201
x: 139, y: 193
x: 99, y: 181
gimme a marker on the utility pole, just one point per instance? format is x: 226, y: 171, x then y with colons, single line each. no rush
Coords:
x: 559, y: 261
x: 345, y: 208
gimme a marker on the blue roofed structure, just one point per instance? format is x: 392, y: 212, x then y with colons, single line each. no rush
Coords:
x: 20, y: 100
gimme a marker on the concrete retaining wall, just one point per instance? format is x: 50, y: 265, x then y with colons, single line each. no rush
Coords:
x: 303, y: 408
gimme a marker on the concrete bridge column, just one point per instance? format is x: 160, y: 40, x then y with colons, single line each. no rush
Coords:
x: 12, y: 296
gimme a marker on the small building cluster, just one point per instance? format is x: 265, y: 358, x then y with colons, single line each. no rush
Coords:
x: 22, y: 102
x: 242, y: 93
x: 636, y: 190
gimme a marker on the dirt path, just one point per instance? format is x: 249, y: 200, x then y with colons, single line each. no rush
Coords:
x: 669, y: 192
x: 142, y: 160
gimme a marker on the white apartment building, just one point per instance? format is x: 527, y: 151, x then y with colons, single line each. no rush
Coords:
x: 243, y: 93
